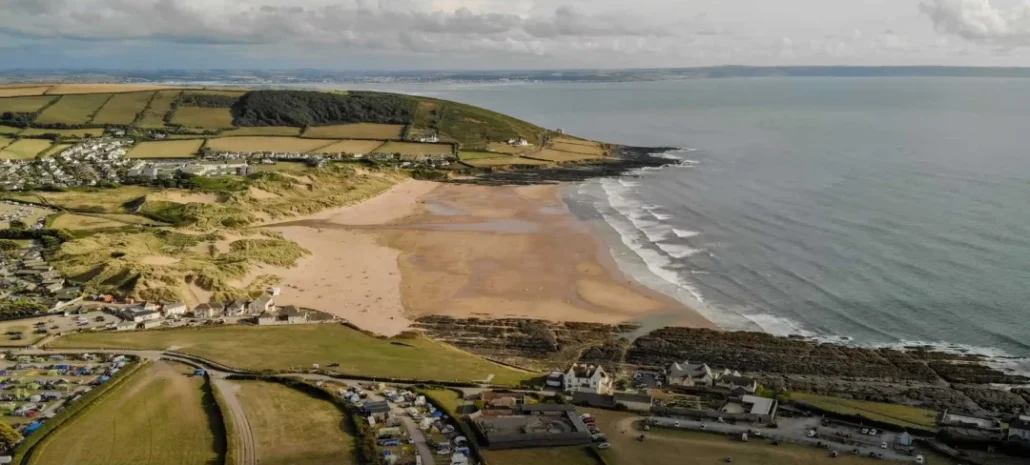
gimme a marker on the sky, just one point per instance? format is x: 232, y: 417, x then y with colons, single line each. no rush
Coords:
x: 509, y: 34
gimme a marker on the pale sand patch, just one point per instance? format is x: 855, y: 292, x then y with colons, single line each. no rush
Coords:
x: 185, y: 197
x: 348, y: 275
x: 616, y: 298
x: 195, y: 295
x: 159, y: 260
x: 545, y: 194
x: 261, y: 194
x: 397, y: 202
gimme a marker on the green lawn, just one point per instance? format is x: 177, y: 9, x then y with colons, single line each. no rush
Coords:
x: 548, y: 456
x: 299, y: 346
x: 901, y: 415
x: 159, y: 416
x: 73, y: 109
x: 446, y: 398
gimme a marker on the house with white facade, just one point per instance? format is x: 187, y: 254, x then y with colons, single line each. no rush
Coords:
x: 175, y: 309
x: 689, y: 374
x: 1019, y: 430
x: 587, y: 378
x: 737, y: 384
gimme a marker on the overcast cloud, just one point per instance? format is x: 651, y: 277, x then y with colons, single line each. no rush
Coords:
x: 399, y: 34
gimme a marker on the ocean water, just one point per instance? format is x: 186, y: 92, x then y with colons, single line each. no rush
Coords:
x: 876, y: 211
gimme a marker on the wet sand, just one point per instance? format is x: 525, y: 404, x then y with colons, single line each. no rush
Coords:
x: 463, y: 251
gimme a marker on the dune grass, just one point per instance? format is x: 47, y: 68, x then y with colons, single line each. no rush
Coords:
x: 299, y: 346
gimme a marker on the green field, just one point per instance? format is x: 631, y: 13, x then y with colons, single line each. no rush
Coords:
x: 285, y: 131
x: 207, y: 118
x: 266, y: 144
x: 24, y: 149
x: 55, y: 149
x: 560, y: 156
x: 24, y: 104
x: 291, y: 427
x: 73, y: 109
x: 901, y: 415
x: 5, y: 141
x: 123, y: 108
x: 552, y: 455
x: 9, y: 130
x: 186, y: 148
x: 414, y: 149
x: 92, y: 132
x: 356, y: 131
x: 503, y: 161
x: 299, y: 346
x: 153, y: 116
x: 159, y: 416
x: 352, y: 146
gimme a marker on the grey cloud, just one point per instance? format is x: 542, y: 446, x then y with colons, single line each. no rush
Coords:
x: 396, y: 25
x: 980, y: 21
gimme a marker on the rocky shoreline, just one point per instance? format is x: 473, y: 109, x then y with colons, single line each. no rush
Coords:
x: 918, y: 376
x: 625, y: 160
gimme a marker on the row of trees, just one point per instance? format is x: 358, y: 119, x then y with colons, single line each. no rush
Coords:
x: 307, y: 108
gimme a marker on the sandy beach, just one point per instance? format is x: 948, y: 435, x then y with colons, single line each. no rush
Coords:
x: 464, y: 251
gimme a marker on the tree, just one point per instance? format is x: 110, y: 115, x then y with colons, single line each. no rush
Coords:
x: 8, y: 437
x: 7, y: 245
x: 17, y: 225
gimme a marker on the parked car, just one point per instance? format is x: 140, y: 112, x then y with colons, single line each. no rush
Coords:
x: 604, y: 445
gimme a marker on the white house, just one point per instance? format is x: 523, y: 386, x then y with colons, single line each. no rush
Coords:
x: 689, y: 374
x: 175, y: 309
x: 139, y: 314
x: 208, y: 310
x: 587, y: 378
x: 1019, y: 430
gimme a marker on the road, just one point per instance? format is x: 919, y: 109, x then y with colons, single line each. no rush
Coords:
x: 794, y: 433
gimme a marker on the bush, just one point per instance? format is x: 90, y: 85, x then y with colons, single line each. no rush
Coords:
x: 307, y: 108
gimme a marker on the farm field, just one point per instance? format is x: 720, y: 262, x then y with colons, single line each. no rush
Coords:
x: 22, y: 91
x: 55, y: 149
x: 555, y: 455
x: 559, y: 156
x: 98, y: 88
x: 123, y: 108
x: 690, y: 448
x: 25, y: 104
x: 92, y: 132
x: 5, y: 141
x: 76, y: 222
x: 286, y: 131
x: 160, y: 416
x: 356, y: 131
x: 24, y: 149
x: 901, y: 415
x: 73, y: 109
x: 413, y: 148
x: 111, y: 201
x: 352, y: 146
x: 584, y: 148
x: 198, y: 117
x: 501, y: 147
x: 356, y: 352
x: 153, y: 116
x: 291, y: 427
x: 9, y: 130
x: 266, y: 144
x: 186, y: 148
x: 504, y: 161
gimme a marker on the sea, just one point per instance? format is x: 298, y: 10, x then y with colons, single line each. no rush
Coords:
x: 866, y: 211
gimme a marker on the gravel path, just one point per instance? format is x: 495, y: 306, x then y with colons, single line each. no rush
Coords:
x: 247, y: 453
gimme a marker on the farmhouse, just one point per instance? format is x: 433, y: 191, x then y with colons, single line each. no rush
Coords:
x: 587, y: 378
x: 689, y: 374
x: 532, y: 425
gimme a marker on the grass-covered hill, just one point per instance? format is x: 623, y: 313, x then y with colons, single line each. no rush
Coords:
x: 212, y: 112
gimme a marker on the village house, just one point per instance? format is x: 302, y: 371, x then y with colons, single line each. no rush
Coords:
x: 292, y: 315
x: 208, y: 310
x: 236, y: 308
x: 139, y: 314
x: 737, y: 384
x: 175, y: 309
x: 689, y: 374
x: 261, y: 304
x: 266, y: 318
x: 587, y: 378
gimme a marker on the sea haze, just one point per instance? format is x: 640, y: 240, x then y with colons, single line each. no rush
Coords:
x: 886, y: 210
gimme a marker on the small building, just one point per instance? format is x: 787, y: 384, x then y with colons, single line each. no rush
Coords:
x: 378, y: 410
x: 587, y: 378
x: 962, y: 420
x: 290, y: 314
x: 532, y: 425
x: 737, y: 384
x: 689, y: 374
x: 175, y: 309
x: 905, y: 439
x: 760, y: 406
x: 208, y: 310
x: 150, y: 324
x: 555, y: 379
x: 264, y: 303
x: 126, y: 326
x: 637, y: 402
x: 139, y: 314
x: 266, y: 318
x: 1019, y: 430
